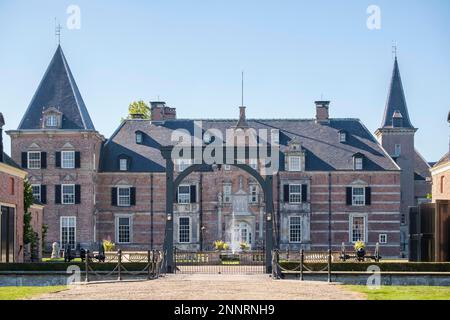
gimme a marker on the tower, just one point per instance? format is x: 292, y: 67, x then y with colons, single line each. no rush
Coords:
x: 57, y: 144
x: 396, y: 135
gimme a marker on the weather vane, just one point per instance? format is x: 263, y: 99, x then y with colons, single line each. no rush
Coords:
x: 58, y: 32
x: 394, y: 49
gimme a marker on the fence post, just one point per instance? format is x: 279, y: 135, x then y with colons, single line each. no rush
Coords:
x: 174, y: 259
x: 86, y: 266
x: 302, y: 261
x: 329, y: 265
x: 119, y: 253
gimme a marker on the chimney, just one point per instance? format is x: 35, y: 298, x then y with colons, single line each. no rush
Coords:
x: 242, y: 122
x: 322, y: 114
x: 2, y: 123
x: 161, y: 112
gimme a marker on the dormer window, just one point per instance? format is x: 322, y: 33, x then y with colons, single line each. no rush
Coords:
x: 342, y: 136
x: 52, y: 118
x: 139, y: 137
x: 295, y: 163
x: 51, y: 121
x: 358, y: 161
x: 124, y: 163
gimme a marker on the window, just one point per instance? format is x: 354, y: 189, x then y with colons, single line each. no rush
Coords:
x: 253, y: 193
x: 139, y: 138
x: 295, y: 193
x: 358, y: 228
x: 123, y: 229
x: 398, y: 150
x: 253, y: 163
x: 227, y: 192
x: 227, y: 167
x: 68, y: 193
x: 184, y: 230
x: 123, y: 163
x: 34, y: 160
x: 184, y: 194
x: 36, y: 188
x: 51, y: 121
x: 294, y: 163
x: 123, y: 196
x: 68, y: 159
x: 295, y: 229
x: 358, y: 196
x: 358, y: 163
x: 68, y: 231
x: 382, y: 238
x: 183, y: 164
x: 342, y: 136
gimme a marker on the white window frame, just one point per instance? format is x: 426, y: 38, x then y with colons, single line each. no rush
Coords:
x: 51, y: 121
x: 227, y: 195
x: 355, y: 201
x: 291, y: 165
x: 226, y: 167
x: 139, y: 138
x: 74, y: 218
x: 380, y: 236
x: 29, y: 161
x: 40, y: 191
x: 184, y: 199
x: 123, y: 161
x: 130, y: 228
x: 119, y: 196
x: 71, y: 165
x: 297, y: 196
x: 359, y: 163
x: 253, y: 190
x: 342, y: 136
x: 351, y: 218
x: 189, y: 226
x: 301, y: 229
x: 62, y: 193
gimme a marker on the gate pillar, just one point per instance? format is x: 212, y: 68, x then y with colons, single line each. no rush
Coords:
x: 268, y: 193
x: 168, y: 237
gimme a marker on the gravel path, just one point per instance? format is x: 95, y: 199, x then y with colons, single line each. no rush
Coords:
x: 208, y: 287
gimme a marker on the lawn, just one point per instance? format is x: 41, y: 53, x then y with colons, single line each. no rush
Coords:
x: 17, y: 293
x: 404, y: 292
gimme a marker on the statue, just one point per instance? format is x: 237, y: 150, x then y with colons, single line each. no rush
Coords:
x: 55, y: 250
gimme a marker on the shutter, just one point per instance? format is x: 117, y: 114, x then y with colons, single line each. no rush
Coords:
x: 43, y: 160
x: 43, y: 194
x: 193, y: 193
x: 368, y: 196
x: 24, y: 160
x: 176, y: 196
x: 286, y: 193
x: 77, y: 159
x: 58, y: 194
x: 77, y: 194
x: 133, y: 196
x: 114, y: 196
x: 58, y: 159
x: 304, y: 193
x: 349, y: 196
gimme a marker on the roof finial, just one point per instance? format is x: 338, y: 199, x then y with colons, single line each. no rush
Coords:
x: 394, y: 49
x: 58, y: 32
x: 242, y: 89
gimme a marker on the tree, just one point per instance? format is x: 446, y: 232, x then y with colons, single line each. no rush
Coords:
x: 139, y: 107
x: 29, y: 236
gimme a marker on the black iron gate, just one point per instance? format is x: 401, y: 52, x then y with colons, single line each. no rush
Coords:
x: 216, y: 262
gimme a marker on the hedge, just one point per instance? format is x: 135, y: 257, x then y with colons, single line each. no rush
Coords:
x: 62, y: 266
x: 384, y: 266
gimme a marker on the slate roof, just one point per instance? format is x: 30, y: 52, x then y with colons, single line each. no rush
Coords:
x: 445, y: 158
x: 396, y: 101
x: 58, y: 89
x: 7, y: 160
x: 321, y: 143
x: 421, y: 166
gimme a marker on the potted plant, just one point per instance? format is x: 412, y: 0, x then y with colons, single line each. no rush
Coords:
x: 244, y: 246
x: 360, y: 249
x: 221, y: 245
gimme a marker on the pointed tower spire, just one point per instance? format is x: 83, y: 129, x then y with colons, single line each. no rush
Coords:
x: 57, y: 93
x: 396, y: 102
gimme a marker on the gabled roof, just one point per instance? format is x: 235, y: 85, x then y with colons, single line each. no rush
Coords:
x: 58, y: 90
x: 396, y: 102
x: 320, y: 142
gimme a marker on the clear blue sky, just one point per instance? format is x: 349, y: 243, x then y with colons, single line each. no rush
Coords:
x: 191, y: 53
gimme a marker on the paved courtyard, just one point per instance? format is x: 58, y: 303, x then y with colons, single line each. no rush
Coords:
x: 208, y: 287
